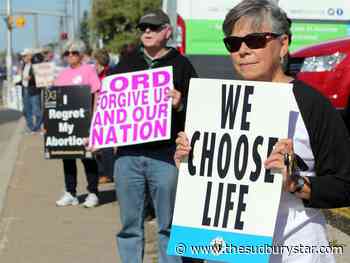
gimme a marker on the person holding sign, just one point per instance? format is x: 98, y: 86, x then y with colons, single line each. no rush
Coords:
x: 314, y: 161
x: 78, y: 74
x: 152, y: 163
x: 31, y: 94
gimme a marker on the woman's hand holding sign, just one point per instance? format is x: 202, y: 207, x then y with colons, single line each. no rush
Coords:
x: 282, y: 158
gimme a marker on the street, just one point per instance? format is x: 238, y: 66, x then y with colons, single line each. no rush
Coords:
x: 32, y: 228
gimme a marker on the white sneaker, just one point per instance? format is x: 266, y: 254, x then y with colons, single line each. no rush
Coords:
x: 67, y: 199
x: 91, y: 200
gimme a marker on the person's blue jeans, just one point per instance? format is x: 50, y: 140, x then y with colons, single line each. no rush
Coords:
x: 32, y: 111
x: 25, y: 101
x: 132, y: 173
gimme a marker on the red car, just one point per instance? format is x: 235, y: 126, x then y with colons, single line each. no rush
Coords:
x: 326, y: 67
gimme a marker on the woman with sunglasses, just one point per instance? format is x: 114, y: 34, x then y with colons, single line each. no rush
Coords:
x: 78, y: 73
x: 317, y: 156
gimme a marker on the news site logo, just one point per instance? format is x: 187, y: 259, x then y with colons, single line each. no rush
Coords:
x: 218, y: 246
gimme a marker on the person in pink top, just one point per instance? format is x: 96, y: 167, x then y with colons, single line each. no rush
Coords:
x: 79, y: 74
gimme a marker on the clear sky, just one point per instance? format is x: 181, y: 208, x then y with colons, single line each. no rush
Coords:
x: 48, y: 26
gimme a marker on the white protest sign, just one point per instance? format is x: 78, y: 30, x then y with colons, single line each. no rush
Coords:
x: 133, y: 108
x: 226, y: 201
x: 45, y: 73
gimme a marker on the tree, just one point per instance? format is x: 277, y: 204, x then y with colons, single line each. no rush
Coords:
x: 115, y: 21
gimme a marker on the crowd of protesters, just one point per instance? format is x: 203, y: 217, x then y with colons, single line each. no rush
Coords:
x: 89, y: 67
x: 80, y: 66
x: 145, y: 175
x: 141, y: 193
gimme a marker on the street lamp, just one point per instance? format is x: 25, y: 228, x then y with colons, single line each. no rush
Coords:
x: 9, y: 45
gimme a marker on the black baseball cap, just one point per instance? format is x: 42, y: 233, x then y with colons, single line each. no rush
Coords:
x: 155, y: 17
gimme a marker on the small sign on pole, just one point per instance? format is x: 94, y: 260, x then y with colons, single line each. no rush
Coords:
x: 20, y: 21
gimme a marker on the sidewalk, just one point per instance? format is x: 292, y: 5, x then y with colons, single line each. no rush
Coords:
x: 34, y: 230
x: 10, y: 136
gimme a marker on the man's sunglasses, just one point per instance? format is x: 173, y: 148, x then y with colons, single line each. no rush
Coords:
x: 73, y: 53
x: 155, y: 28
x: 253, y: 41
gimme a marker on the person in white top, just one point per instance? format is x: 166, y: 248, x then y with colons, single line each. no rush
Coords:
x: 314, y: 161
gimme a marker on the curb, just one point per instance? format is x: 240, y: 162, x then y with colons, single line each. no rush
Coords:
x: 8, y: 161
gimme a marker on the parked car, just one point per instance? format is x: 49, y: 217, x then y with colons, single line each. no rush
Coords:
x: 326, y: 67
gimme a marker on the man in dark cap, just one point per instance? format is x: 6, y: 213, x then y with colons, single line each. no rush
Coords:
x: 151, y: 165
x: 156, y: 17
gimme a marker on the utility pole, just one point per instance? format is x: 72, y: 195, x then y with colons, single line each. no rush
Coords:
x: 65, y: 11
x: 170, y: 8
x: 78, y: 18
x: 73, y: 15
x: 9, y: 45
x: 36, y: 30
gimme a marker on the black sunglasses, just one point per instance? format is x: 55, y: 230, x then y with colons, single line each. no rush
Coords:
x: 73, y: 53
x: 155, y: 28
x: 253, y: 41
